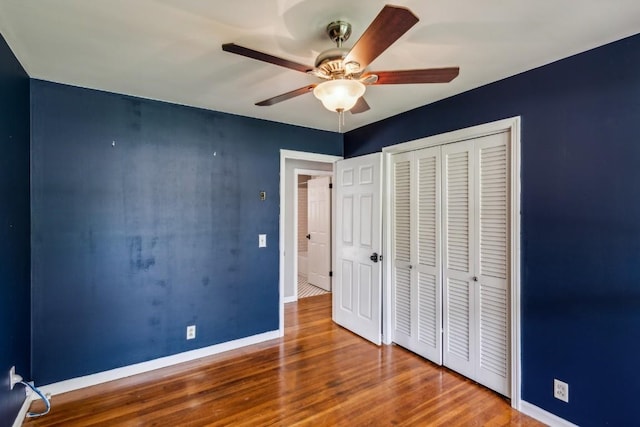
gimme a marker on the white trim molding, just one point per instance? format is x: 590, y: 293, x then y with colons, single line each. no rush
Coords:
x: 29, y: 397
x: 284, y: 156
x: 511, y: 125
x: 544, y: 416
x: 163, y: 362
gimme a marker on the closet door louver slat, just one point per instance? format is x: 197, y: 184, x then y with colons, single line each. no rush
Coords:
x: 427, y: 209
x: 458, y: 211
x: 429, y: 326
x: 458, y: 318
x: 493, y: 333
x: 493, y: 212
x: 402, y: 214
x: 403, y: 301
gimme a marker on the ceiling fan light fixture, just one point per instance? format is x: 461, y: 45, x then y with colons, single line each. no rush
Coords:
x: 339, y: 95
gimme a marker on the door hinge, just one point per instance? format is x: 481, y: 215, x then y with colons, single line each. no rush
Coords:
x: 330, y: 185
x: 331, y: 274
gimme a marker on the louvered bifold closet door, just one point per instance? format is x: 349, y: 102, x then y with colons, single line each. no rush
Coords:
x: 401, y: 256
x: 427, y: 301
x: 458, y: 254
x: 476, y: 260
x: 492, y: 264
x: 416, y: 285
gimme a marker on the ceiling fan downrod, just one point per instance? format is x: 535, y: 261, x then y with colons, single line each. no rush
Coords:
x: 339, y: 32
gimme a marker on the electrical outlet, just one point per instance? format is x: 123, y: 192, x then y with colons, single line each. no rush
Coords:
x: 191, y: 332
x: 262, y: 240
x: 561, y: 390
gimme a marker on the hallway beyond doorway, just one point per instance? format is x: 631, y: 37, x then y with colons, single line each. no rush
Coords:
x: 306, y: 289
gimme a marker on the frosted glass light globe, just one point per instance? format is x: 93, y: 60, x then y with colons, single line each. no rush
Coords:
x: 340, y: 94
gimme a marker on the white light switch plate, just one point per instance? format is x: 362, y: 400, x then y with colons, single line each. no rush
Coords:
x: 262, y: 240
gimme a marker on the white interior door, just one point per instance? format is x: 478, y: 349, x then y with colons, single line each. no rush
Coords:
x: 357, y: 293
x: 319, y: 229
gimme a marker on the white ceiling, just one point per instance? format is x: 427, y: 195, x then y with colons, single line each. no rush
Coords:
x: 170, y: 49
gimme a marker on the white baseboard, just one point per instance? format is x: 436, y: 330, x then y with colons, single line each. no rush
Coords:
x: 289, y: 299
x: 24, y: 408
x: 139, y: 368
x: 544, y: 416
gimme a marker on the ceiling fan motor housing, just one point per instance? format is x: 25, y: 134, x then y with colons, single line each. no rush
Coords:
x: 330, y: 63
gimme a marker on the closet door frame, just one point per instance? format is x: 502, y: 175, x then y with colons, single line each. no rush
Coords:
x: 511, y: 125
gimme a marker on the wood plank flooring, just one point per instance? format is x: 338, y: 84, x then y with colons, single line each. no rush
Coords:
x: 317, y: 375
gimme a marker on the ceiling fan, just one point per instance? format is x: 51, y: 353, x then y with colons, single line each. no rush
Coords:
x: 344, y: 71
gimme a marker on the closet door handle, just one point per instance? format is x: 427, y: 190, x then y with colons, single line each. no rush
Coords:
x: 309, y: 236
x: 475, y: 278
x: 374, y: 257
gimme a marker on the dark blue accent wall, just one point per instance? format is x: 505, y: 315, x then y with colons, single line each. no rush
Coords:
x: 580, y: 221
x: 14, y: 231
x: 146, y: 218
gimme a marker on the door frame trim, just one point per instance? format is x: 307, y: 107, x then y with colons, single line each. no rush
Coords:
x: 513, y: 126
x: 284, y: 156
x: 297, y: 172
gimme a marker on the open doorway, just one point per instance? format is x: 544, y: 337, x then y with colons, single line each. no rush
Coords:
x: 310, y: 164
x: 313, y: 232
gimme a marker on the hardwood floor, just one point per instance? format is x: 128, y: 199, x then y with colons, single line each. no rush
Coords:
x: 318, y: 375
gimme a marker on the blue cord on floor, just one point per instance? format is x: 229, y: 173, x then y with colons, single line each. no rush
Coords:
x: 44, y: 399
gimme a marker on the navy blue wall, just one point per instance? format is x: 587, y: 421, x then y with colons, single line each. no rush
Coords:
x: 132, y: 242
x: 580, y: 221
x: 15, y: 327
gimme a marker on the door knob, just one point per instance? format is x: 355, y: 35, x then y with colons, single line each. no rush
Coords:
x: 374, y: 257
x: 475, y: 278
x: 309, y: 236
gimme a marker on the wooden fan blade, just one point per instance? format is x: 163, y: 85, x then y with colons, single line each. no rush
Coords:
x: 360, y: 107
x: 430, y: 75
x: 390, y: 24
x: 285, y: 96
x: 265, y: 57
